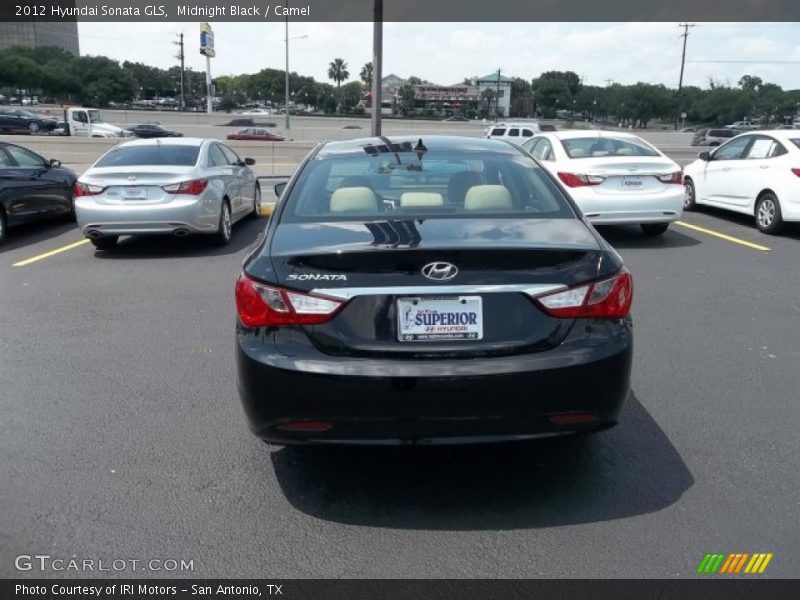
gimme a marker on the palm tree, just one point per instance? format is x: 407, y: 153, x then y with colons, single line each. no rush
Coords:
x: 337, y: 71
x: 366, y: 75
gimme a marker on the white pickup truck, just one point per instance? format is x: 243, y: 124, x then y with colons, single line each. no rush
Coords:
x: 89, y: 122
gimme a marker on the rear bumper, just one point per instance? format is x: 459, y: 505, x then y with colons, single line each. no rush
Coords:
x: 368, y: 401
x: 192, y: 215
x: 612, y: 210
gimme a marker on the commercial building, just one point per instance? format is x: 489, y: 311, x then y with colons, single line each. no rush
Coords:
x: 37, y: 34
x: 458, y: 98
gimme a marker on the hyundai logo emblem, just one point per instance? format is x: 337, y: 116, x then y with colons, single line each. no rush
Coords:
x: 439, y: 271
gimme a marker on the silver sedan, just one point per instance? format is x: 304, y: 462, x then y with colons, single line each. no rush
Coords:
x: 177, y: 186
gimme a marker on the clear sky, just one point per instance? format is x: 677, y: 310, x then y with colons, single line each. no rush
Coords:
x: 445, y: 53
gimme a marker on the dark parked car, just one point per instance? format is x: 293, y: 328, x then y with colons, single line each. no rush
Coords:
x: 17, y: 120
x: 442, y: 290
x: 153, y: 130
x: 32, y: 187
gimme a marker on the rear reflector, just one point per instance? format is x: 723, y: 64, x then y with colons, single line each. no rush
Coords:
x: 574, y: 418
x: 676, y: 177
x: 608, y: 298
x: 306, y: 426
x: 262, y: 305
x: 580, y: 180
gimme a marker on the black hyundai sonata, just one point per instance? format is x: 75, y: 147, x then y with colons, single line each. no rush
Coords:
x: 435, y: 290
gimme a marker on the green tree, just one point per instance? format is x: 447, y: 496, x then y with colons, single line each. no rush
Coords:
x: 366, y: 75
x: 337, y: 71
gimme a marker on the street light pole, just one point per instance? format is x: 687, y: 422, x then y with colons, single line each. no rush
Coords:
x: 377, y: 59
x: 287, y: 68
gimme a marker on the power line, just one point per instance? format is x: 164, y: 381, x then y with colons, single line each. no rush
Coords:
x: 749, y: 62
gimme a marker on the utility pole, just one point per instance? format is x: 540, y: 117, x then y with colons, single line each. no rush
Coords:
x: 685, y: 36
x: 609, y: 82
x: 377, y: 67
x: 497, y: 99
x: 180, y: 56
x: 286, y: 90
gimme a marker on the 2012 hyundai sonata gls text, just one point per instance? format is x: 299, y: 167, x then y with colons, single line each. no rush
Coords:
x: 442, y: 290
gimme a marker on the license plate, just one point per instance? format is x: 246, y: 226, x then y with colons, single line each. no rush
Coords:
x: 431, y: 319
x: 134, y: 193
x: 632, y: 182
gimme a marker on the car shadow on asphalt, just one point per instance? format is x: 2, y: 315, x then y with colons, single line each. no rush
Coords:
x: 245, y: 234
x: 630, y: 236
x: 630, y: 470
x: 28, y: 234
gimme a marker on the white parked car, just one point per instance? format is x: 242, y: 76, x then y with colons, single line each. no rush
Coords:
x: 257, y: 111
x: 756, y: 173
x: 614, y: 178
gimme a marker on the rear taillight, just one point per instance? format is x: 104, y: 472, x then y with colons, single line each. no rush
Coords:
x: 84, y: 189
x: 262, y: 305
x: 796, y: 172
x: 192, y: 188
x: 608, y: 298
x: 676, y: 177
x: 580, y: 180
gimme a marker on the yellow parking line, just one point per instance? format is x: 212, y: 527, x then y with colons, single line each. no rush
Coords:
x: 723, y: 236
x: 39, y: 257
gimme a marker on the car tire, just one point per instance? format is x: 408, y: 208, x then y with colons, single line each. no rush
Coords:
x: 223, y: 235
x: 769, y: 218
x: 689, y: 195
x: 256, y: 203
x: 33, y: 128
x: 3, y: 226
x: 654, y: 229
x: 104, y: 243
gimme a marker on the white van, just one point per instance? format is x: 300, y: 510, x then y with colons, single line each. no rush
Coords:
x: 516, y: 133
x: 89, y: 122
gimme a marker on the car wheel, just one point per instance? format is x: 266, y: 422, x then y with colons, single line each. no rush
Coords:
x: 256, y: 203
x: 689, y: 196
x: 104, y: 243
x: 654, y: 229
x: 33, y: 127
x: 768, y: 213
x: 3, y: 226
x: 223, y: 235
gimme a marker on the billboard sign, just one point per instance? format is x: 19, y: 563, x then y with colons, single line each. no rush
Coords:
x: 207, y: 40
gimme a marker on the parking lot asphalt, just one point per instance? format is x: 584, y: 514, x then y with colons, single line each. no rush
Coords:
x: 122, y: 435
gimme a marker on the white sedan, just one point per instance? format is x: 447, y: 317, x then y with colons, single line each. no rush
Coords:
x: 614, y: 177
x: 756, y: 173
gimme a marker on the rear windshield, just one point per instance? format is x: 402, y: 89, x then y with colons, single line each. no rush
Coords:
x: 441, y: 184
x: 151, y: 155
x: 796, y: 142
x: 589, y: 147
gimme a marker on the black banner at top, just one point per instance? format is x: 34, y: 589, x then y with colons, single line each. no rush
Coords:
x: 401, y: 10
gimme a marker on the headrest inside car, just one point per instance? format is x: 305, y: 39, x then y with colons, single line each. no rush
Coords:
x: 421, y: 199
x: 354, y: 199
x: 488, y: 197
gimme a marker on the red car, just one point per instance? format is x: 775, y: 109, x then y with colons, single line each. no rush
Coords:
x: 256, y: 133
